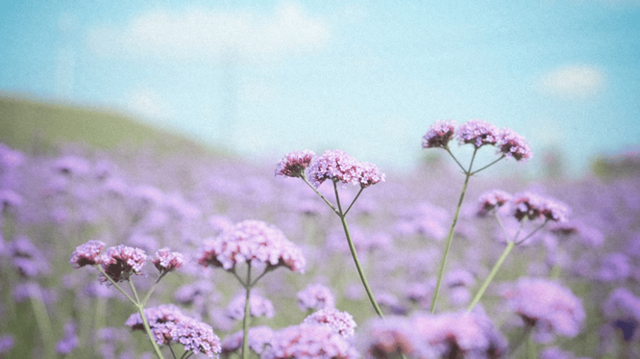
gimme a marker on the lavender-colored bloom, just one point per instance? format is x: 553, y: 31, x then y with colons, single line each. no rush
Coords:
x: 622, y: 310
x: 166, y: 261
x: 533, y: 206
x: 557, y: 353
x: 9, y: 157
x: 27, y: 258
x: 492, y: 199
x: 614, y: 267
x: 513, y: 145
x: 341, y: 322
x: 386, y: 338
x: 259, y: 306
x: 72, y: 165
x: 168, y: 324
x: 293, y: 164
x: 478, y: 133
x: 219, y: 224
x: 334, y: 165
x: 253, y: 242
x: 258, y: 337
x: 9, y: 200
x: 452, y: 335
x: 439, y: 134
x: 369, y: 174
x: 548, y: 306
x: 314, y: 297
x: 389, y: 302
x: 6, y: 343
x: 87, y: 254
x: 306, y: 341
x: 120, y: 262
x: 70, y: 340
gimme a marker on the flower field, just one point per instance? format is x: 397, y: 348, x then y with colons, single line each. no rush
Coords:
x: 123, y: 254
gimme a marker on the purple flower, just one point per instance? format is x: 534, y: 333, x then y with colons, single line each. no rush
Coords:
x: 72, y: 165
x: 384, y: 338
x: 9, y: 200
x: 259, y: 306
x: 87, y: 254
x: 439, y: 134
x: 309, y: 341
x: 478, y: 133
x: 27, y: 258
x: 294, y: 163
x: 557, y: 353
x: 70, y: 340
x: 121, y: 261
x: 533, y: 206
x: 460, y: 334
x: 314, y: 297
x: 622, y: 310
x: 548, y: 306
x: 513, y: 145
x: 9, y: 157
x: 492, y: 199
x: 166, y: 261
x: 253, y: 242
x: 168, y: 324
x: 334, y: 165
x: 369, y: 174
x: 258, y: 337
x: 6, y: 342
x: 341, y: 322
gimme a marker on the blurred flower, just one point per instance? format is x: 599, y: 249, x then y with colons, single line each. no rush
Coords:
x: 534, y: 206
x: 259, y: 306
x: 70, y: 340
x: 293, y: 164
x: 258, y: 337
x: 7, y: 342
x: 622, y: 310
x: 72, y: 166
x: 386, y: 338
x: 309, y: 341
x: 341, y: 322
x: 492, y: 199
x: 314, y: 297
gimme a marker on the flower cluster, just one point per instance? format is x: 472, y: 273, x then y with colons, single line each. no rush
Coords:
x: 166, y: 261
x: 337, y: 166
x: 547, y: 306
x: 314, y: 297
x: 258, y: 337
x: 386, y: 338
x: 492, y: 199
x: 253, y: 242
x: 478, y: 133
x: 87, y: 254
x: 168, y: 324
x: 309, y: 341
x: 622, y: 310
x: 294, y: 163
x: 533, y: 206
x: 341, y: 322
x: 121, y: 261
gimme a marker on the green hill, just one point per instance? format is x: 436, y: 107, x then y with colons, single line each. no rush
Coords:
x: 38, y: 126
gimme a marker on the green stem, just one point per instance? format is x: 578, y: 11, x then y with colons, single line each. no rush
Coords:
x: 443, y: 263
x: 116, y: 285
x: 492, y: 274
x: 321, y: 196
x: 520, y: 339
x: 455, y: 159
x: 43, y: 320
x: 245, y: 320
x: 354, y: 254
x: 354, y: 201
x: 145, y: 323
x: 487, y: 166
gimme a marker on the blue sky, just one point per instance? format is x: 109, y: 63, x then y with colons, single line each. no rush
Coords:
x: 265, y: 78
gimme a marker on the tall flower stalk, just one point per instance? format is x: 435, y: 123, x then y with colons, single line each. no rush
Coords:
x: 337, y: 167
x: 478, y: 134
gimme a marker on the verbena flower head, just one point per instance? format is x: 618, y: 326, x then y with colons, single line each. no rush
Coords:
x: 121, y: 261
x: 548, y: 306
x: 533, y: 206
x: 253, y: 242
x: 369, y: 174
x: 386, y: 338
x: 166, y: 261
x: 293, y: 164
x: 622, y: 310
x: 454, y: 335
x: 87, y: 254
x: 258, y: 337
x: 513, y: 145
x: 492, y: 199
x: 314, y: 297
x: 259, y: 306
x: 439, y: 134
x: 478, y: 133
x: 341, y: 322
x: 334, y: 165
x: 309, y: 341
x: 168, y: 324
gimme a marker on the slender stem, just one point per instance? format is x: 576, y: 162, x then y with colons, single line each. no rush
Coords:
x: 171, y: 349
x: 532, y: 233
x: 134, y: 291
x: 492, y: 274
x: 520, y: 339
x: 443, y: 263
x: 354, y: 254
x: 145, y: 323
x: 153, y: 288
x: 43, y: 319
x: 233, y: 271
x: 487, y: 166
x: 455, y: 159
x: 245, y: 320
x: 531, y: 349
x: 116, y: 285
x: 354, y: 201
x: 269, y: 269
x: 320, y: 194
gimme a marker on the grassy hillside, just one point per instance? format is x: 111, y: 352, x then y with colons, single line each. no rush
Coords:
x: 34, y: 126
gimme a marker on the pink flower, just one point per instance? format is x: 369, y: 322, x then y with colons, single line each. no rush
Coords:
x: 341, y: 322
x: 120, y: 262
x: 533, y: 206
x: 439, y: 134
x: 309, y: 341
x: 294, y: 163
x: 492, y: 199
x: 315, y: 296
x: 334, y: 165
x: 166, y: 261
x: 478, y: 133
x: 513, y: 145
x: 87, y: 254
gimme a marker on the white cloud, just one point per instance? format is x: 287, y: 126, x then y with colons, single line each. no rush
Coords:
x: 572, y: 82
x: 148, y: 104
x: 204, y: 34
